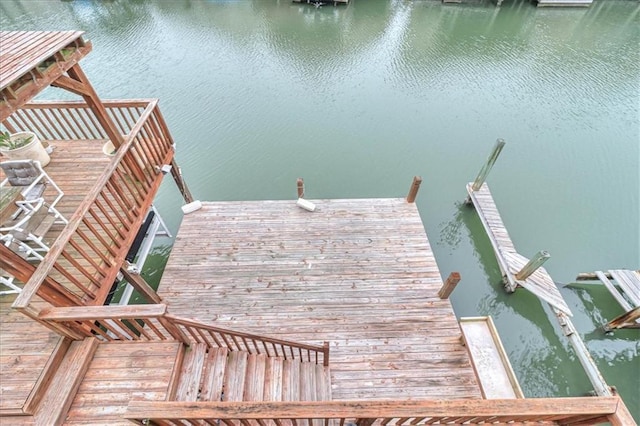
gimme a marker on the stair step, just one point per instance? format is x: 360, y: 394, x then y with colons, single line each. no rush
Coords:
x: 323, y: 383
x: 213, y: 376
x: 307, y: 381
x: 254, y: 379
x: 234, y: 376
x: 191, y: 372
x: 59, y: 395
x: 291, y: 380
x: 273, y: 379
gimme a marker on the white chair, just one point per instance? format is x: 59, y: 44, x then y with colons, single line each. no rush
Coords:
x: 34, y: 215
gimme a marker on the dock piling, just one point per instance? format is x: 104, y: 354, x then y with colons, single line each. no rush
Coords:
x: 449, y: 285
x: 531, y: 266
x: 413, y: 191
x: 484, y: 172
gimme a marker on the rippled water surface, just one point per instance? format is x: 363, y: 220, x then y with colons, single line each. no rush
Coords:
x: 358, y: 99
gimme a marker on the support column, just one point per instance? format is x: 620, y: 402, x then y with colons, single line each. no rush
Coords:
x: 79, y: 83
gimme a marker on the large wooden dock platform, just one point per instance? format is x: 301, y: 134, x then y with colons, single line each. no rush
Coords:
x: 357, y: 273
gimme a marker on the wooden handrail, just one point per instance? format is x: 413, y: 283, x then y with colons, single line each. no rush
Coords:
x: 94, y: 313
x: 585, y: 410
x: 235, y: 340
x: 152, y: 322
x: 90, y: 250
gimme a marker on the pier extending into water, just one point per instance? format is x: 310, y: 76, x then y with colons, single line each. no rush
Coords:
x: 518, y: 271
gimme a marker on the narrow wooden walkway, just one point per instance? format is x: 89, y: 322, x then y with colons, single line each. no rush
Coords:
x: 357, y: 273
x: 539, y: 283
x: 509, y: 260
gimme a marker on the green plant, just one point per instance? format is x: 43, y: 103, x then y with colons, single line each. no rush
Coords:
x: 9, y: 143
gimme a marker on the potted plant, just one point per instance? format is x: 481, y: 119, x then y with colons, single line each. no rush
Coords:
x: 23, y: 146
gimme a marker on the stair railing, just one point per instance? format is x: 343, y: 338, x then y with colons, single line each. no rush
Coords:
x: 199, y: 332
x: 559, y: 411
x: 152, y: 322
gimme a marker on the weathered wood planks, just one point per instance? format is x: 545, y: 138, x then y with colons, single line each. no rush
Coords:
x: 357, y: 273
x: 119, y: 373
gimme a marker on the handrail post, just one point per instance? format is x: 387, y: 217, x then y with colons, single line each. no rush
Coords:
x: 300, y: 184
x: 133, y: 277
x: 413, y: 191
x: 449, y: 285
x: 484, y: 172
x: 325, y: 350
x: 531, y: 266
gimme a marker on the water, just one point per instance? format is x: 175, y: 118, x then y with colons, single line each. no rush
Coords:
x: 358, y: 99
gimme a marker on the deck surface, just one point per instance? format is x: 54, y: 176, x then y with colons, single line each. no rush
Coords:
x: 357, y: 273
x: 118, y: 373
x: 25, y: 346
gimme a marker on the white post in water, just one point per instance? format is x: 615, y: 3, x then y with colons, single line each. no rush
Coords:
x: 531, y: 266
x: 482, y: 176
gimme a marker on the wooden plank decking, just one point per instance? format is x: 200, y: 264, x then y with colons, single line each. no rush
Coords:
x: 118, y: 373
x: 357, y: 273
x: 25, y: 345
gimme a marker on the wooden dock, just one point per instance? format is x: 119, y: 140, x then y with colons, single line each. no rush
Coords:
x: 624, y: 286
x: 509, y: 260
x: 539, y: 282
x: 357, y: 273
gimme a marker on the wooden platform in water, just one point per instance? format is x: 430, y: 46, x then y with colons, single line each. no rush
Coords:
x: 509, y: 260
x: 359, y: 274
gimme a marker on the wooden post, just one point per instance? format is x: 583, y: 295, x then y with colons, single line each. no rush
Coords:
x: 449, y: 285
x: 93, y: 101
x: 626, y: 320
x: 413, y: 191
x: 531, y: 266
x: 180, y: 182
x: 482, y: 176
x: 138, y: 283
x: 300, y: 183
x: 325, y: 361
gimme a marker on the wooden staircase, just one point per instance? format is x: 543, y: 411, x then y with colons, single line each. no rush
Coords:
x: 217, y: 374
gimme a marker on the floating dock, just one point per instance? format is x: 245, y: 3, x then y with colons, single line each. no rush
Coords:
x: 518, y: 271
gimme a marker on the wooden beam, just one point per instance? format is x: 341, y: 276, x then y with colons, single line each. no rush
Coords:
x: 139, y: 284
x: 626, y: 320
x: 563, y: 408
x: 19, y: 96
x: 96, y: 105
x: 73, y: 86
x: 89, y: 313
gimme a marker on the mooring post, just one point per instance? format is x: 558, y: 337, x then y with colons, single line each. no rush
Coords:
x: 300, y: 183
x: 482, y: 176
x: 449, y: 285
x: 531, y: 266
x: 413, y: 191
